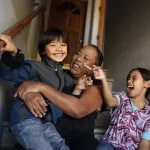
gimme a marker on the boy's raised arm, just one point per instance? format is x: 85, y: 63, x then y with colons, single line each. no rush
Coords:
x: 11, y: 56
x: 12, y: 66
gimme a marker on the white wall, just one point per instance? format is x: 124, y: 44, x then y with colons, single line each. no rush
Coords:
x: 7, y: 17
x: 12, y: 11
x: 22, y: 8
x: 92, y: 22
x: 127, y: 39
x: 95, y: 22
x: 88, y: 23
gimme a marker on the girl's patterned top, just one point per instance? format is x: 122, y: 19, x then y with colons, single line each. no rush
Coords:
x: 128, y: 127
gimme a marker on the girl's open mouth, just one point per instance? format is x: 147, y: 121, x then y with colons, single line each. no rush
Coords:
x: 130, y: 88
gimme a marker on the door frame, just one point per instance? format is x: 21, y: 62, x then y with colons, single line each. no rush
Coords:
x: 102, y: 25
x: 88, y: 22
x: 89, y: 32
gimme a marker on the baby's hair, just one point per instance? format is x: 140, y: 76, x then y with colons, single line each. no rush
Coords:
x: 146, y: 76
x: 47, y: 37
x: 99, y: 56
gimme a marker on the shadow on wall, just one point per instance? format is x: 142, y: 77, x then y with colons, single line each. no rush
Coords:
x: 127, y: 39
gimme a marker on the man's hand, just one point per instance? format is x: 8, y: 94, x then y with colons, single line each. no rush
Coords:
x: 36, y: 104
x: 27, y: 87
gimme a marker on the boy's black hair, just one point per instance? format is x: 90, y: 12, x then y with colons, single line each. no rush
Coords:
x: 99, y: 56
x: 145, y: 73
x: 47, y: 37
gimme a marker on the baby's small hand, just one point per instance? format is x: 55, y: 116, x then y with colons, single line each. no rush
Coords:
x: 98, y: 73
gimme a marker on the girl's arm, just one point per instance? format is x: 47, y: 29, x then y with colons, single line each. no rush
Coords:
x: 144, y: 144
x: 90, y: 100
x: 110, y: 100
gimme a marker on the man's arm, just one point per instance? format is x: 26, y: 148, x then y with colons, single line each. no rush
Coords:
x: 90, y: 100
x: 144, y: 144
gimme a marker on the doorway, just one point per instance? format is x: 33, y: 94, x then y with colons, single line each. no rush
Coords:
x: 69, y: 16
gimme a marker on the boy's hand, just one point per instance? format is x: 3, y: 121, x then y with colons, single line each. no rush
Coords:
x: 84, y: 82
x: 98, y: 73
x: 10, y: 46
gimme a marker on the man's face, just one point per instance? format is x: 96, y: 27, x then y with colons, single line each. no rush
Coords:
x: 86, y: 56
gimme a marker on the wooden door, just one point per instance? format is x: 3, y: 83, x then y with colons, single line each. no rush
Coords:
x: 69, y: 16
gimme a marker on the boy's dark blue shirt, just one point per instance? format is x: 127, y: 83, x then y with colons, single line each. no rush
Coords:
x: 47, y: 71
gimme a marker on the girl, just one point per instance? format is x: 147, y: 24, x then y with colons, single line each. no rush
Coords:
x: 130, y: 124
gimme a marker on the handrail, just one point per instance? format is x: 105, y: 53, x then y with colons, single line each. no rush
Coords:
x: 17, y: 27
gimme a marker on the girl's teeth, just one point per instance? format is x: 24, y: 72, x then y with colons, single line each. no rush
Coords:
x: 130, y: 86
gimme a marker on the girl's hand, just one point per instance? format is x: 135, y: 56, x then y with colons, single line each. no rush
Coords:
x: 27, y: 87
x: 84, y: 82
x: 10, y: 46
x: 98, y: 73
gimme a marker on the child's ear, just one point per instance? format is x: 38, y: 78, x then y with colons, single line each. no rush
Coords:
x: 147, y: 84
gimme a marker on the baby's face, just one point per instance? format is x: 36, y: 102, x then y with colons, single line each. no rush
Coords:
x: 56, y: 50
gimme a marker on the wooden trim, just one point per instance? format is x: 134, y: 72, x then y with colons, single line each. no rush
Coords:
x: 101, y: 24
x: 66, y: 66
x: 17, y: 27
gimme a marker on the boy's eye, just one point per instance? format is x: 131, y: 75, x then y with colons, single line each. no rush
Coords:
x: 63, y: 44
x: 52, y: 45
